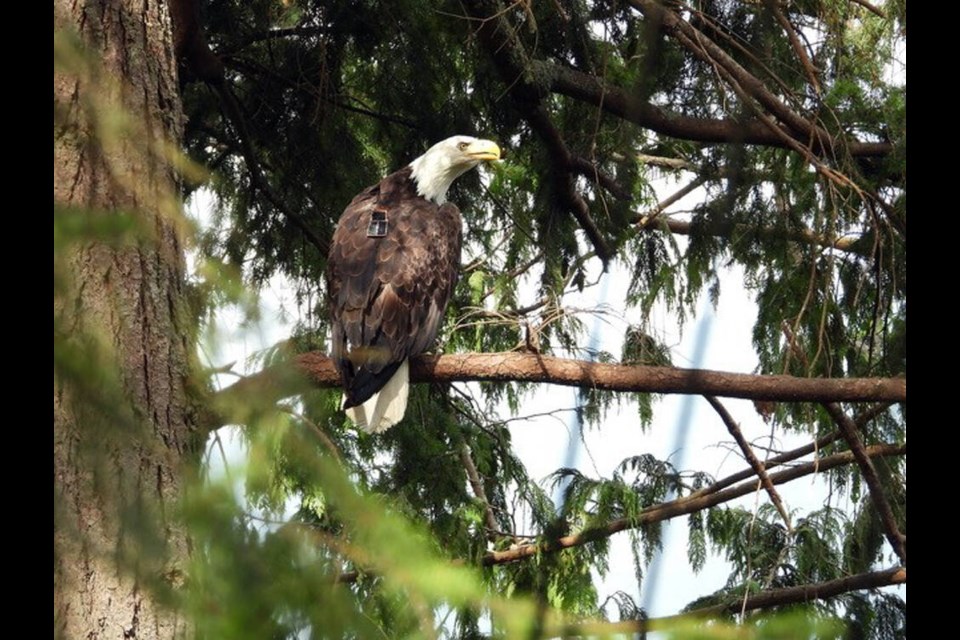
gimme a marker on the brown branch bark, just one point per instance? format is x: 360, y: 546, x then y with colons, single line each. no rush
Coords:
x: 889, y: 522
x: 708, y: 51
x: 682, y: 506
x: 847, y: 244
x: 616, y: 101
x: 801, y: 53
x: 871, y: 8
x: 764, y: 600
x: 755, y: 463
x: 473, y: 476
x: 315, y: 369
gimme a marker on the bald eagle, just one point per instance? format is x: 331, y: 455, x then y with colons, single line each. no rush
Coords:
x: 392, y: 268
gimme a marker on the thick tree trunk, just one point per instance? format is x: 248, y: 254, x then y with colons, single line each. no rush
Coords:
x: 122, y: 424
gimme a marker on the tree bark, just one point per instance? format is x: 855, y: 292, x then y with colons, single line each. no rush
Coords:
x: 121, y: 409
x: 315, y: 369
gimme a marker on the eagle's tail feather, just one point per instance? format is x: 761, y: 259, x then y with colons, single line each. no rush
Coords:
x: 386, y: 407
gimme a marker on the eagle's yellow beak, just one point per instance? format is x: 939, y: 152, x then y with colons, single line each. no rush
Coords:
x: 483, y: 150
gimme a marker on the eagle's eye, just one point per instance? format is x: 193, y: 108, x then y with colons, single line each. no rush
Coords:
x: 462, y: 145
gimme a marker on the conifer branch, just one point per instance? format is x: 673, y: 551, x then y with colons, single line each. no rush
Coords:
x: 755, y: 463
x: 801, y: 53
x: 682, y: 506
x: 851, y: 434
x: 618, y: 102
x: 473, y: 476
x: 701, y: 46
x: 763, y: 600
x: 731, y: 230
x: 871, y: 8
x: 775, y: 461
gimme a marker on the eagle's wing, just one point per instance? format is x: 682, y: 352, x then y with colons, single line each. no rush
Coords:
x: 388, y: 294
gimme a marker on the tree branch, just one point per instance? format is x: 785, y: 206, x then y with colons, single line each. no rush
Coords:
x: 734, y: 429
x: 763, y: 600
x: 725, y: 229
x: 511, y: 61
x: 257, y: 179
x: 788, y: 28
x: 195, y: 55
x: 315, y: 369
x: 775, y: 461
x: 476, y: 484
x: 566, y: 185
x: 614, y: 100
x: 850, y: 433
x: 590, y: 171
x: 709, y: 52
x: 871, y: 8
x: 265, y: 35
x: 682, y: 506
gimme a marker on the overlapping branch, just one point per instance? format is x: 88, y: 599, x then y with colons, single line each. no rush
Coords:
x: 764, y: 600
x: 889, y: 522
x: 683, y: 506
x: 755, y: 463
x: 512, y: 62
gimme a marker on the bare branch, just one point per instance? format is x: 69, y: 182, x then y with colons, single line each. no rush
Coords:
x: 850, y: 433
x: 648, y: 218
x: 775, y: 461
x: 802, y: 57
x: 666, y: 163
x: 871, y: 8
x: 734, y: 429
x: 477, y: 485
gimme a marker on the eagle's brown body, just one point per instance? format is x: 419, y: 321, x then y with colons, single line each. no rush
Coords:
x: 392, y: 268
x: 388, y: 294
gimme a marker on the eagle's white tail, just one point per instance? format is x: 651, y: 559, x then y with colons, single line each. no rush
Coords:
x: 386, y: 407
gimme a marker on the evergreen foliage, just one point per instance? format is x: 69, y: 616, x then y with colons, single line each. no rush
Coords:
x: 394, y: 535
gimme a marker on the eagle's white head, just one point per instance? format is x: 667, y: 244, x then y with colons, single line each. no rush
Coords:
x: 446, y: 161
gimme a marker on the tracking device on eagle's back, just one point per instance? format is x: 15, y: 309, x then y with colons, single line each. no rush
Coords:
x: 378, y: 224
x: 393, y: 265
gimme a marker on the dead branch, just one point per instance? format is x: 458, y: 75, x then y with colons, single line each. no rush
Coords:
x: 466, y: 457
